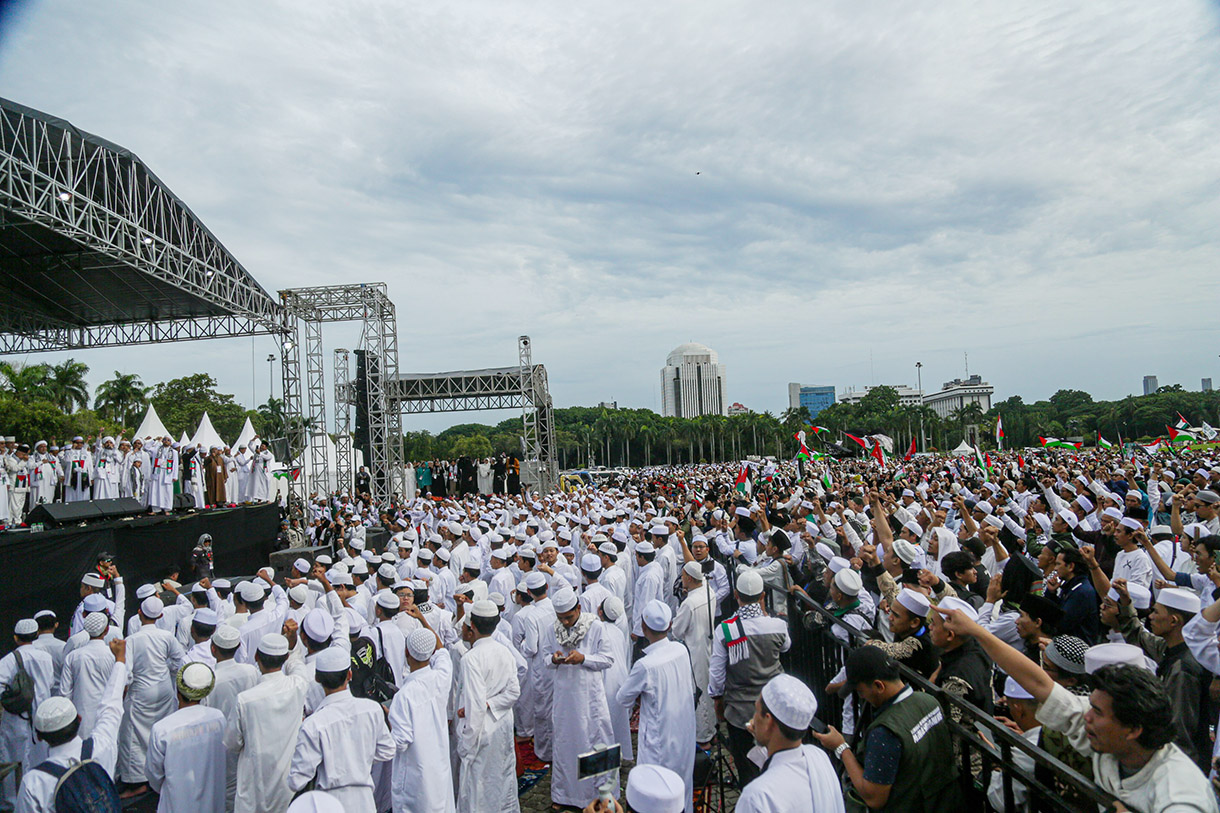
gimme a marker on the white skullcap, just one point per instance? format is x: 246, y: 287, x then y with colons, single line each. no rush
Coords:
x: 198, y: 678
x: 388, y: 601
x: 849, y: 582
x: 914, y: 528
x: 94, y: 603
x: 95, y: 624
x: 790, y: 701
x: 964, y: 607
x: 421, y: 643
x: 1101, y: 655
x: 1068, y: 517
x: 564, y: 600
x: 645, y: 547
x: 590, y: 563
x: 355, y: 620
x: 26, y: 626
x: 535, y: 580
x: 226, y: 636
x: 53, y: 714
x: 993, y: 521
x: 1132, y: 524
x: 749, y: 583
x: 485, y: 609
x: 1141, y: 596
x: 302, y: 565
x: 273, y: 644
x: 221, y: 584
x: 1175, y: 598
x: 332, y: 659
x: 657, y: 616
x: 388, y: 572
x: 1113, y: 513
x: 653, y: 789
x: 152, y: 607
x: 299, y: 593
x: 694, y: 570
x: 612, y: 608
x: 915, y: 602
x: 497, y: 599
x: 145, y: 590
x: 501, y: 553
x: 905, y: 551
x: 250, y: 592
x: 837, y: 563
x: 316, y: 801
x: 205, y: 616
x: 92, y: 580
x: 318, y: 625
x: 1015, y: 691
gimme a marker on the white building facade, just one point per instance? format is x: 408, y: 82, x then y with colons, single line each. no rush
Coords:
x: 958, y: 393
x: 692, y: 382
x: 906, y: 395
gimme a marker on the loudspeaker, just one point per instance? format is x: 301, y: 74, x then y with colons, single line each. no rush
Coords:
x: 120, y: 507
x: 64, y: 513
x: 282, y: 560
x: 184, y: 502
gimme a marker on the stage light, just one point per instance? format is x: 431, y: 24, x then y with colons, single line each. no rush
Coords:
x: 287, y: 344
x: 210, y: 272
x: 65, y: 196
x: 148, y: 241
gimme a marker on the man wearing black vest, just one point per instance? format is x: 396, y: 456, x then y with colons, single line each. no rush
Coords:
x: 906, y: 753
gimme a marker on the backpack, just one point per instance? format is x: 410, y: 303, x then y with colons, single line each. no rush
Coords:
x: 372, y: 676
x: 83, y: 787
x: 18, y: 698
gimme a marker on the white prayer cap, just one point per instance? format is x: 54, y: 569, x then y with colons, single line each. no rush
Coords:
x: 356, y: 543
x: 535, y: 580
x: 332, y: 659
x: 612, y: 608
x: 837, y: 563
x: 741, y: 511
x: 983, y: 506
x: 302, y: 565
x: 250, y: 591
x: 825, y: 551
x: 790, y: 701
x: 1015, y: 691
x: 299, y: 593
x: 964, y: 607
x: 53, y: 714
x: 26, y: 626
x: 1068, y: 517
x: 38, y: 616
x: 1113, y: 513
x: 915, y: 602
x: 221, y: 584
x: 497, y: 598
x: 993, y: 521
x: 1044, y: 522
x: 609, y: 549
x: 1208, y: 497
x: 316, y: 801
x: 455, y: 528
x: 1101, y: 655
x: 501, y: 553
x: 424, y: 555
x: 653, y: 789
x: 1160, y: 531
x: 527, y: 553
x: 92, y: 580
x: 205, y: 616
x: 564, y: 600
x: 914, y: 527
x: 355, y: 620
x: 76, y: 439
x: 152, y: 607
x: 145, y: 590
x: 388, y: 572
x: 905, y: 551
x: 750, y: 584
x: 694, y: 570
x: 1195, y: 530
x: 657, y: 616
x: 273, y: 644
x: 487, y: 609
x: 1133, y: 524
x: 1175, y: 598
x: 1141, y: 596
x: 226, y: 636
x: 195, y: 680
x: 1085, y: 503
x: 421, y: 643
x: 849, y: 582
x: 590, y: 563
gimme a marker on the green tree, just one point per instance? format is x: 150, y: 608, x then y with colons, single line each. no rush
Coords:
x: 67, y: 387
x: 122, y: 399
x: 471, y: 446
x: 181, y: 403
x: 26, y: 381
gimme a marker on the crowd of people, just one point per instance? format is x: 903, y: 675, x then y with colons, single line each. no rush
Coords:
x: 1072, y: 595
x: 151, y: 470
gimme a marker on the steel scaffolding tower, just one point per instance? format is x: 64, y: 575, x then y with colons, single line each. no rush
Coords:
x: 315, y: 402
x: 344, y: 464
x: 368, y: 303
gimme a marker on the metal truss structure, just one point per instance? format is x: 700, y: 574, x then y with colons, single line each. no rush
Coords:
x: 95, y: 251
x: 370, y: 304
x: 524, y: 386
x: 344, y: 465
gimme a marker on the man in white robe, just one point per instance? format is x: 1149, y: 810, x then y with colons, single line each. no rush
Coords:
x: 106, y: 467
x: 162, y: 477
x: 232, y: 678
x: 186, y: 758
x: 17, y: 743
x: 487, y: 782
x: 44, y: 475
x: 422, y: 777
x: 241, y: 463
x: 662, y: 682
x: 17, y: 466
x: 86, y: 670
x: 533, y: 648
x: 616, y: 675
x: 260, y: 476
x: 580, y: 715
x: 77, y: 464
x: 154, y: 656
x: 693, y: 627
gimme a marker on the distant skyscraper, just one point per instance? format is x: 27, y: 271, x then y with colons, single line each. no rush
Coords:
x: 1150, y: 385
x: 692, y: 382
x: 814, y: 399
x: 1207, y: 385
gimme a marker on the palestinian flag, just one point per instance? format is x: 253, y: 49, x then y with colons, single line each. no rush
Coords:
x: 817, y: 430
x: 984, y: 465
x: 1180, y: 436
x: 999, y: 429
x: 826, y: 481
x: 1056, y: 443
x: 294, y: 473
x: 879, y: 453
x: 1154, y: 448
x: 803, y: 452
x: 743, y: 478
x: 1102, y: 443
x: 910, y: 452
x: 1181, y: 424
x: 1020, y: 462
x: 863, y: 443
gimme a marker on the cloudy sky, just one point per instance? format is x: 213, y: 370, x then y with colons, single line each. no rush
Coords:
x: 822, y: 192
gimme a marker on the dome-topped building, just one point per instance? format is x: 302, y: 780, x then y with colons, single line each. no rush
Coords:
x: 692, y: 382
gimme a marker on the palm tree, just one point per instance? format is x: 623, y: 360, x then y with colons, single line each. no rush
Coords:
x: 271, y: 416
x: 67, y: 386
x: 26, y: 381
x: 121, y: 398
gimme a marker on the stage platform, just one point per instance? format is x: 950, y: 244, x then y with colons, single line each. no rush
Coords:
x: 42, y: 570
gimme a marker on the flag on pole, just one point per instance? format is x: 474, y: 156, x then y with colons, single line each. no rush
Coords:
x: 1207, y: 431
x: 1102, y: 443
x: 999, y: 431
x: 1153, y: 448
x: 863, y: 443
x: 803, y: 452
x: 743, y: 481
x: 295, y: 474
x: 1181, y: 424
x: 1180, y: 436
x: 1020, y: 462
x: 1056, y: 443
x: 911, y: 451
x: 979, y: 461
x: 817, y: 430
x: 879, y: 453
x: 826, y: 481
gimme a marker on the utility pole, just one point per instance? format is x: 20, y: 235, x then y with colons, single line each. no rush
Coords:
x: 923, y: 439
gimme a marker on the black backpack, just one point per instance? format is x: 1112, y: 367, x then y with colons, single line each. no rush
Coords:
x: 83, y: 787
x: 18, y: 697
x: 372, y: 676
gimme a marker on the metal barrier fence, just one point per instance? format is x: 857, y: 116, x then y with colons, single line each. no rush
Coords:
x: 983, y: 744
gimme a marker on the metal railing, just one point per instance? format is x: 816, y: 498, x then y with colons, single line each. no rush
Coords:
x: 983, y: 744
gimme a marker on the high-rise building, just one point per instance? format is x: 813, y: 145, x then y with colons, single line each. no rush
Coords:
x: 958, y: 393
x: 1150, y: 385
x: 1207, y: 385
x: 814, y: 399
x: 692, y: 382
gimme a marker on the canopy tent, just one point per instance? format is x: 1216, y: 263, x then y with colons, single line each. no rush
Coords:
x: 151, y: 426
x: 247, y: 434
x: 184, y: 440
x: 206, y: 434
x: 963, y: 448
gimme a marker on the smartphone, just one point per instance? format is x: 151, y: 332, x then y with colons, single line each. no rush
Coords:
x: 599, y: 762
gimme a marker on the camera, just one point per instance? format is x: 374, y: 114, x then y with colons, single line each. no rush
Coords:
x: 599, y: 761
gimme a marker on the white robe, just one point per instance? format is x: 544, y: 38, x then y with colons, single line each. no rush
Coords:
x: 242, y: 462
x: 260, y: 478
x: 422, y: 778
x: 263, y: 731
x: 692, y: 626
x: 85, y: 673
x: 338, y: 744
x: 154, y: 657
x: 580, y: 716
x: 18, y: 472
x: 662, y: 681
x: 487, y: 782
x: 793, y: 780
x: 43, y: 479
x: 186, y: 761
x: 78, y: 467
x: 484, y: 477
x: 523, y: 711
x: 232, y: 678
x: 17, y: 742
x: 614, y: 677
x: 107, y: 469
x: 542, y: 679
x: 161, y: 479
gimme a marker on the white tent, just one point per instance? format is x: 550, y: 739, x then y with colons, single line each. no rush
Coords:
x: 207, y: 434
x: 963, y: 448
x: 151, y: 426
x: 247, y: 434
x: 184, y: 440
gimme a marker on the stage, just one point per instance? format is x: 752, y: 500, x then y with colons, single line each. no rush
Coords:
x: 43, y: 570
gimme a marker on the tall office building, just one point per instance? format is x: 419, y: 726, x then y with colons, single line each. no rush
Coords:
x: 1207, y: 385
x: 814, y: 399
x: 692, y: 382
x: 1150, y: 385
